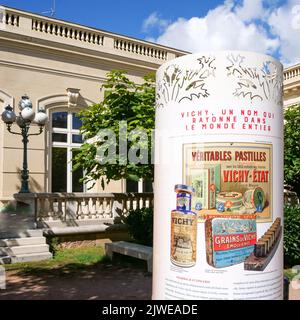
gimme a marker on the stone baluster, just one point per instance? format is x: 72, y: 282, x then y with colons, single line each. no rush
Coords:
x: 143, y: 202
x: 123, y: 207
x: 138, y: 204
x: 87, y: 211
x: 13, y: 20
x: 9, y: 20
x: 111, y: 214
x: 38, y: 26
x: 41, y: 208
x: 108, y: 209
x: 92, y: 38
x: 51, y: 212
x: 105, y: 204
x: 93, y: 212
x: 49, y: 29
x: 43, y: 27
x: 104, y: 207
x: 98, y: 208
x: 60, y: 212
x: 79, y: 212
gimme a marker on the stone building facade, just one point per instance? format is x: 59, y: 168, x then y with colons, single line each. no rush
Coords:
x: 61, y: 66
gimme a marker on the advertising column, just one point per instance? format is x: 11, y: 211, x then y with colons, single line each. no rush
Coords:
x: 218, y: 207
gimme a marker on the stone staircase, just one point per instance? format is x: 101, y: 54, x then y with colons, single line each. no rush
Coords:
x: 25, y: 246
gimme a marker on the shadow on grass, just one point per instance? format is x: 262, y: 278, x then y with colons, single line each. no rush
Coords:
x: 80, y: 265
x: 80, y: 277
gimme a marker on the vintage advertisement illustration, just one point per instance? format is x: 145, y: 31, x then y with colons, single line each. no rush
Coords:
x: 229, y: 178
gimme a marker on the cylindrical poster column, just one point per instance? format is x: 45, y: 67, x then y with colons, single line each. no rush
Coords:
x: 219, y: 178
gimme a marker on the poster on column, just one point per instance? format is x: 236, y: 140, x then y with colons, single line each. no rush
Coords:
x: 229, y: 177
x: 219, y: 178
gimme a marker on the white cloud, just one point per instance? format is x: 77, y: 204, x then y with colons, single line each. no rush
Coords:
x: 222, y: 28
x: 250, y: 9
x: 256, y: 25
x: 285, y: 23
x: 154, y: 21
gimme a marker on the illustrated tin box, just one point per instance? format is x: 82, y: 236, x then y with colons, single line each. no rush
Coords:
x: 229, y: 240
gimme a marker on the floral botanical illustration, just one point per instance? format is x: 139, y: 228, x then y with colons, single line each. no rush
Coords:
x: 177, y: 85
x: 261, y: 84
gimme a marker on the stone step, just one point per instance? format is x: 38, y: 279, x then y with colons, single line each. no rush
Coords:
x: 22, y: 241
x: 5, y: 260
x: 20, y: 250
x: 31, y: 257
x: 21, y: 234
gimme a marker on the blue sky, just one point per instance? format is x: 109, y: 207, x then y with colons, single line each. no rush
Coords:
x: 120, y: 16
x: 268, y: 26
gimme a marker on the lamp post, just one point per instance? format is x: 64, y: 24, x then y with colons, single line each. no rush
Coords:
x: 25, y: 118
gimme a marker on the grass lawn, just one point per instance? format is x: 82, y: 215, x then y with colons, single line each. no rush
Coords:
x: 70, y: 261
x: 64, y: 261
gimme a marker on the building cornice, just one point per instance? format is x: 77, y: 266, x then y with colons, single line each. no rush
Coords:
x: 39, y: 30
x: 291, y: 85
x: 105, y: 32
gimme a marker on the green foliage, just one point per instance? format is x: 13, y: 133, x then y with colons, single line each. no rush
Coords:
x: 292, y: 235
x: 123, y: 100
x: 53, y: 243
x: 140, y: 225
x: 292, y: 147
x: 8, y: 207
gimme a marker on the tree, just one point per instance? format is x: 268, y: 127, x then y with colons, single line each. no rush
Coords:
x: 292, y: 147
x: 123, y: 101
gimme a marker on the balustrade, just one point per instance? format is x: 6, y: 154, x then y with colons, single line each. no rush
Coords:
x: 85, y: 206
x: 292, y: 72
x: 67, y: 32
x: 9, y: 18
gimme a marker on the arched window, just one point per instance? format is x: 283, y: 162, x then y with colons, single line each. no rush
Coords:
x: 64, y: 140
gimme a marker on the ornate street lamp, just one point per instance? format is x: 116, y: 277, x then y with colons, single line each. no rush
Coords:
x: 25, y: 118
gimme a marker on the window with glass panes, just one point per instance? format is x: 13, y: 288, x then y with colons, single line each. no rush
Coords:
x: 65, y: 139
